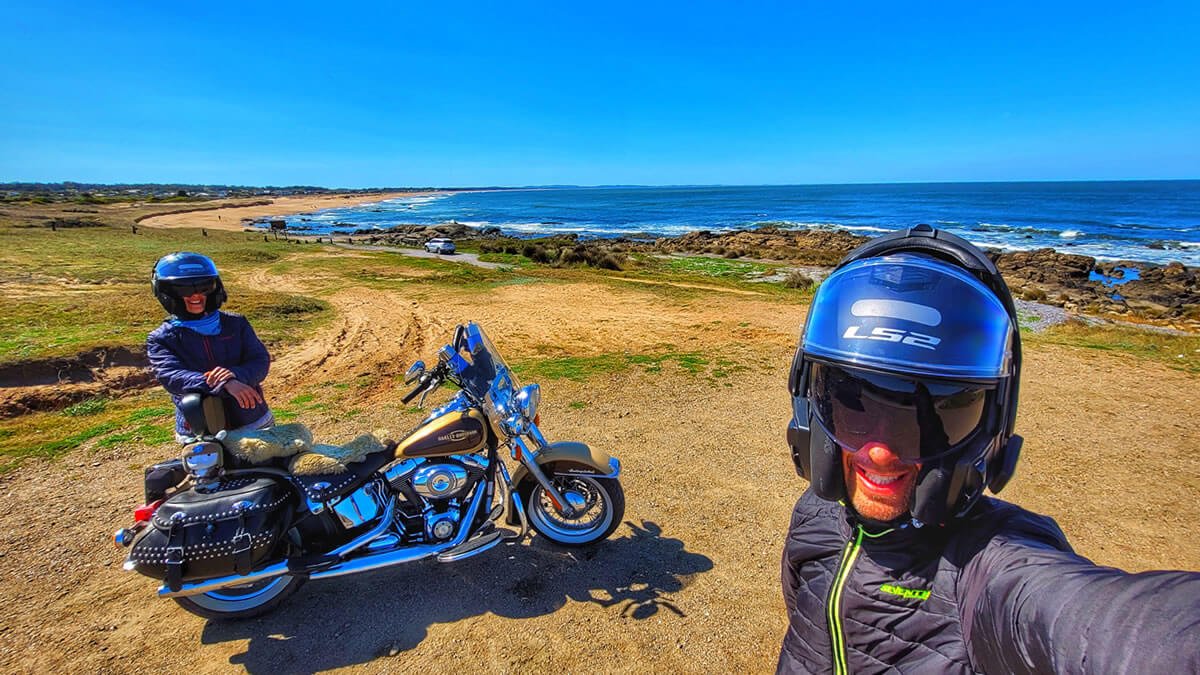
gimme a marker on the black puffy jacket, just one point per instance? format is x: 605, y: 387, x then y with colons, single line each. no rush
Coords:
x: 999, y: 591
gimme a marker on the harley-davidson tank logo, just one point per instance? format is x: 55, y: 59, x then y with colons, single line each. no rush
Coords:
x: 457, y: 435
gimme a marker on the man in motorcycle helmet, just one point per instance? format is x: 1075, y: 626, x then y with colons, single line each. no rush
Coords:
x: 904, y: 394
x: 200, y: 349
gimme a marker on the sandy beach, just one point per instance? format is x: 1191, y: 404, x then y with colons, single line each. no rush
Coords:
x: 228, y: 214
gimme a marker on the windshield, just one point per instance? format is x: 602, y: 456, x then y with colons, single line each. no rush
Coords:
x: 481, y: 369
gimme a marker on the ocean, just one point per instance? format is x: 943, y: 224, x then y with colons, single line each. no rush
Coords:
x: 1150, y: 221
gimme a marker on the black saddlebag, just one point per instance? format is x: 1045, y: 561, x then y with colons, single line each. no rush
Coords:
x: 204, y: 533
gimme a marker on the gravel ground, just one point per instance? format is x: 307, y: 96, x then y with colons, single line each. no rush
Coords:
x: 1038, y: 317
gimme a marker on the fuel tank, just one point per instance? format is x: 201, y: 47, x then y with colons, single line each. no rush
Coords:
x: 455, y: 433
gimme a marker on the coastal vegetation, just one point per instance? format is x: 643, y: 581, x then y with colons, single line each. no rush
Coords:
x: 70, y: 292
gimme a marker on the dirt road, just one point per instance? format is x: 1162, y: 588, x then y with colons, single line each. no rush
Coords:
x: 688, y: 584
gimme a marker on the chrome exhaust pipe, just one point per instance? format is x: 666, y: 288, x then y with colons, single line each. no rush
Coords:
x: 207, y: 585
x: 365, y: 563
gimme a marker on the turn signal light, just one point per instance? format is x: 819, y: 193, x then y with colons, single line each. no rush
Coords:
x: 537, y: 419
x: 145, y: 512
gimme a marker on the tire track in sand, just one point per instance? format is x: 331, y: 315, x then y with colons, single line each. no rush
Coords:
x: 373, y: 333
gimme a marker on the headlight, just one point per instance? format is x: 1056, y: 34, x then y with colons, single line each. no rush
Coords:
x: 527, y: 401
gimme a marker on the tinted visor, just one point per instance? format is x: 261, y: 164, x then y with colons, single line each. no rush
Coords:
x: 917, y: 419
x: 182, y: 288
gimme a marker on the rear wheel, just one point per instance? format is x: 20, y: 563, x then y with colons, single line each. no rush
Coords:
x: 242, y: 602
x: 599, y: 505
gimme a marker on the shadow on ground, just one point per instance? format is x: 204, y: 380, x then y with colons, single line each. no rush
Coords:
x: 340, y: 622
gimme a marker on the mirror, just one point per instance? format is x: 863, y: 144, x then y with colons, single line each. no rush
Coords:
x: 415, y: 371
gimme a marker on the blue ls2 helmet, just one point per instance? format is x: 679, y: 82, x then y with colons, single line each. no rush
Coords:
x: 179, y: 275
x: 912, y: 342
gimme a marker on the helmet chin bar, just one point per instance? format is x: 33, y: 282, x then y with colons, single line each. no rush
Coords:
x: 945, y: 488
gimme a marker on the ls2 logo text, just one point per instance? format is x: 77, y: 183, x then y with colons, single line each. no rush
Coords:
x: 893, y: 335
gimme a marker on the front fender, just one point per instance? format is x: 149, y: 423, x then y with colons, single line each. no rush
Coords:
x: 567, y: 457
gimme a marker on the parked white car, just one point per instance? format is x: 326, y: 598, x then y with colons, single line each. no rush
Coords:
x: 439, y: 245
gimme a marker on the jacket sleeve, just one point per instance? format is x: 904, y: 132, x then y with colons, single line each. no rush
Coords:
x: 171, y: 372
x: 256, y: 360
x: 1029, y: 607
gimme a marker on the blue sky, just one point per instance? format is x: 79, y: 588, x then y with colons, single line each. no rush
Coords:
x: 459, y: 94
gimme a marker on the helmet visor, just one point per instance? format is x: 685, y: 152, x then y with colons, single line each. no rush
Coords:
x: 916, y: 419
x: 182, y: 288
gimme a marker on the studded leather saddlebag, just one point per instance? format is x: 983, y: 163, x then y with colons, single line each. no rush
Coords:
x: 203, y: 533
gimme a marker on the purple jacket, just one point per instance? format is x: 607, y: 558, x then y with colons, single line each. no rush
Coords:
x: 180, y: 357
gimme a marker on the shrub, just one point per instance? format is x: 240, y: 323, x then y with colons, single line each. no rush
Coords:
x: 609, y: 262
x: 1033, y: 294
x: 798, y: 279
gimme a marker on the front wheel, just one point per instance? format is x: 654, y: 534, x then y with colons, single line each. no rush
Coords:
x: 241, y: 602
x: 599, y: 505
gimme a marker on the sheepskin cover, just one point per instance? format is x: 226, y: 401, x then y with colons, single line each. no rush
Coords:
x: 296, y: 441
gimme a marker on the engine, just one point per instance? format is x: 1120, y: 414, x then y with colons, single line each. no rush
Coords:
x: 434, y: 492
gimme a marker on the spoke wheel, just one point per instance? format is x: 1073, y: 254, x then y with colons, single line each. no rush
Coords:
x: 599, y: 505
x: 241, y: 602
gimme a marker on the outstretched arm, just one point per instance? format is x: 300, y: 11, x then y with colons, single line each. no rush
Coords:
x: 1030, y: 608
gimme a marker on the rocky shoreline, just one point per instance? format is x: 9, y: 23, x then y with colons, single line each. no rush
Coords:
x: 1167, y: 295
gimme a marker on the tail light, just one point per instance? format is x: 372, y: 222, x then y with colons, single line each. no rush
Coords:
x: 537, y: 419
x: 145, y: 512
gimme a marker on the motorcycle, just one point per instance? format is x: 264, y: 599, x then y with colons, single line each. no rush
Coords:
x: 232, y: 541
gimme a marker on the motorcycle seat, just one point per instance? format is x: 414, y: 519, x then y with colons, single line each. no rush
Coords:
x: 321, y: 488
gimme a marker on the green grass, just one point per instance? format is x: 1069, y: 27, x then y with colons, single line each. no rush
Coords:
x: 718, y: 267
x: 144, y: 434
x: 582, y: 368
x: 80, y: 289
x: 1180, y: 352
x: 140, y: 419
x: 91, y: 406
x: 577, y: 405
x: 506, y: 259
x: 153, y: 413
x: 394, y: 271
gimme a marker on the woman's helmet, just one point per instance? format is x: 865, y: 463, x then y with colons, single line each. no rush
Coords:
x: 913, y: 342
x: 178, y: 275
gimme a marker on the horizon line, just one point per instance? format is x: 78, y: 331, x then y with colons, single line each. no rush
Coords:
x: 561, y: 186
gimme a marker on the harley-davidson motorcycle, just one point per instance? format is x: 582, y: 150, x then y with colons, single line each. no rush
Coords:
x: 231, y: 540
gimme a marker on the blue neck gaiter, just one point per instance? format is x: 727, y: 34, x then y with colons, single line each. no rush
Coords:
x: 209, y: 325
